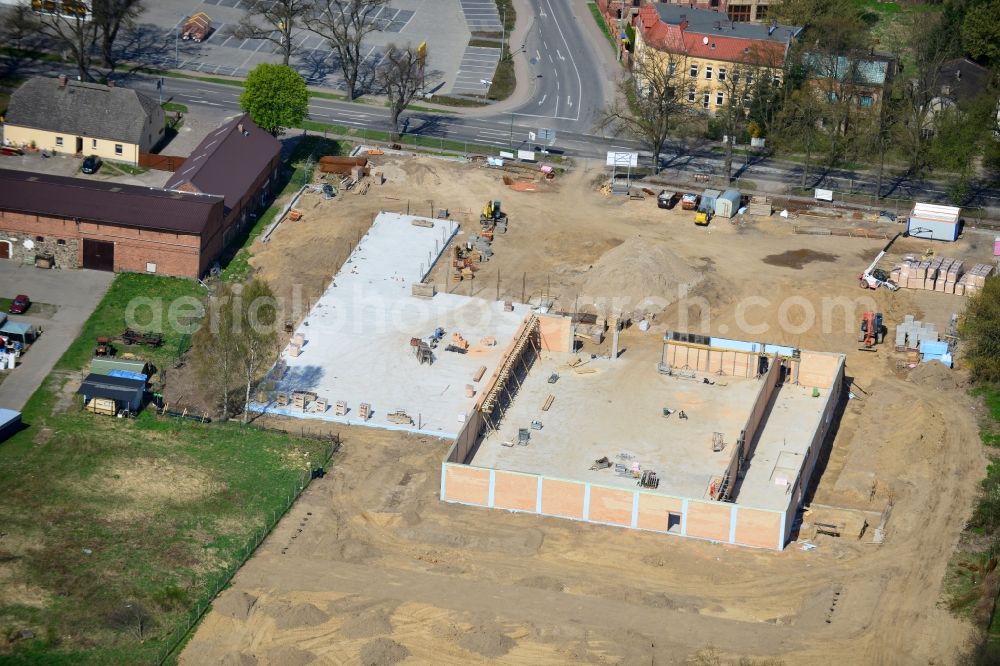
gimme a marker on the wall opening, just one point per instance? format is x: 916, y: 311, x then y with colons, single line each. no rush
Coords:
x: 673, y: 522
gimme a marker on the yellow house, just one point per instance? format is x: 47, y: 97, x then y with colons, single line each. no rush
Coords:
x: 79, y: 118
x: 715, y: 57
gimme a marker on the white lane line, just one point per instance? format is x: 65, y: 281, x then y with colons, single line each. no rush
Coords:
x: 579, y: 81
x: 569, y: 100
x: 550, y: 58
x: 542, y: 100
x: 535, y: 115
x: 561, y: 56
x: 544, y: 44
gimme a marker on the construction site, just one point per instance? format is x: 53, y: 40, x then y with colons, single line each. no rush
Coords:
x: 605, y: 364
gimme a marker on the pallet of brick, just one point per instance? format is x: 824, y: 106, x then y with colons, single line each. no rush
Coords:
x: 364, y: 411
x: 340, y: 408
x: 479, y: 373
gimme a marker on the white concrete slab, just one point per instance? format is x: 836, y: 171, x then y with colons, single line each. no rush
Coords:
x: 358, y: 335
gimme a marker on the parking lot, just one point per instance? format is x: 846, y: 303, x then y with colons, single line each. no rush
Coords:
x: 63, y: 299
x: 442, y: 25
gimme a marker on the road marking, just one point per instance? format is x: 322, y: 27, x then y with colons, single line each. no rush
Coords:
x: 569, y: 100
x: 542, y: 100
x: 550, y: 58
x: 561, y: 56
x: 579, y: 81
x: 544, y: 44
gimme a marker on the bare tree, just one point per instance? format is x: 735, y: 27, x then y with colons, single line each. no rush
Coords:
x: 401, y: 76
x: 738, y: 84
x: 257, y: 336
x: 215, y: 355
x: 799, y: 125
x: 70, y: 25
x: 344, y: 25
x: 649, y: 105
x: 274, y: 20
x: 111, y: 16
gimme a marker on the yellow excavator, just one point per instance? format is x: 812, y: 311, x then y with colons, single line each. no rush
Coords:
x: 492, y: 217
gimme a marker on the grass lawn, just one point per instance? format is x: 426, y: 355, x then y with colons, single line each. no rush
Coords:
x: 891, y: 25
x: 173, y: 107
x: 117, y: 529
x: 237, y: 268
x: 5, y: 304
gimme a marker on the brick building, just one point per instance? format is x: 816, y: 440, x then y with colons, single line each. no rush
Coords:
x: 83, y: 223
x: 239, y: 162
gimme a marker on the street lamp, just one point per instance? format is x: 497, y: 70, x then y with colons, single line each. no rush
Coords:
x: 177, y: 34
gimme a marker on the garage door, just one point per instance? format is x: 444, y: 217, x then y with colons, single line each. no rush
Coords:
x: 98, y: 255
x: 4, y: 250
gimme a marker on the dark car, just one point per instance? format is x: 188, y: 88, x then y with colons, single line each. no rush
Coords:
x: 20, y: 304
x: 11, y: 151
x: 91, y: 164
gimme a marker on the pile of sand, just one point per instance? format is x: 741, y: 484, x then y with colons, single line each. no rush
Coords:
x: 237, y: 605
x: 935, y: 374
x: 641, y: 274
x: 488, y: 639
x: 383, y: 651
x: 287, y: 616
x: 367, y: 625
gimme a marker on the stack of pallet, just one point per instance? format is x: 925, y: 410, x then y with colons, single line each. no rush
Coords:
x: 974, y: 280
x: 912, y: 332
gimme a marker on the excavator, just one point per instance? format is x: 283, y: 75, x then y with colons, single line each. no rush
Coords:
x: 492, y: 216
x: 873, y: 277
x: 872, y: 330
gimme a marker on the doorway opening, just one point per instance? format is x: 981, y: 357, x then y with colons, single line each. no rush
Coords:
x: 673, y: 522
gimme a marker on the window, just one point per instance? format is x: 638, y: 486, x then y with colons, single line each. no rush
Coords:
x: 59, y: 141
x: 118, y: 149
x: 866, y: 101
x: 691, y: 95
x: 694, y: 71
x: 739, y: 13
x: 708, y: 71
x: 60, y: 242
x: 93, y: 143
x: 761, y: 12
x: 673, y: 67
x: 722, y: 73
x: 704, y: 100
x: 673, y: 522
x: 39, y: 239
x: 720, y: 98
x: 749, y: 78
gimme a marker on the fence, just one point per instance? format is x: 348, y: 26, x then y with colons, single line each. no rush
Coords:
x: 160, y: 162
x: 222, y: 579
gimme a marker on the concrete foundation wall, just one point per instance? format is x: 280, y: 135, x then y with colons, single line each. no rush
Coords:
x: 577, y: 500
x: 555, y: 333
x: 818, y: 370
x: 684, y: 356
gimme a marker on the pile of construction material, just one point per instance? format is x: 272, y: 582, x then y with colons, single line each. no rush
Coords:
x: 912, y: 332
x: 943, y: 274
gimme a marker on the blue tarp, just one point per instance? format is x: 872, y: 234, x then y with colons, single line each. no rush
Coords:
x: 757, y: 347
x: 127, y: 374
x: 935, y: 351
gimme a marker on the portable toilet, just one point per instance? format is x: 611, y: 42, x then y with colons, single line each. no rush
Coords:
x: 708, y: 199
x: 728, y: 203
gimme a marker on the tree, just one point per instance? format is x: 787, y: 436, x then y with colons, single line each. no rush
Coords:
x: 73, y: 31
x: 111, y: 16
x: 276, y: 97
x: 256, y: 338
x: 273, y: 21
x: 344, y: 25
x: 756, y: 78
x: 799, y: 123
x: 401, y: 76
x: 649, y: 105
x: 981, y: 32
x: 881, y: 129
x: 215, y: 355
x: 980, y: 331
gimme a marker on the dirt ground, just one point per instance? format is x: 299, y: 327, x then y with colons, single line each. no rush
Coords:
x: 370, y: 567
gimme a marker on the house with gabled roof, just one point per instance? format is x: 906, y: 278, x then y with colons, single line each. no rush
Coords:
x: 82, y: 118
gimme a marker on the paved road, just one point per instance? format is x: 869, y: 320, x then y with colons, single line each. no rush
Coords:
x: 75, y: 295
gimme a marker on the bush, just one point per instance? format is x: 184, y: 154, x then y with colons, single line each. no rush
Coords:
x: 980, y: 330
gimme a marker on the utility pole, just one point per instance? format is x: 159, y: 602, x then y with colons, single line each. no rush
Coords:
x: 503, y: 30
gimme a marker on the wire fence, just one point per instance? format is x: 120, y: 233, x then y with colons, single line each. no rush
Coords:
x: 222, y: 578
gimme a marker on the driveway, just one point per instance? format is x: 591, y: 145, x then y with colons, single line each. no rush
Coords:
x: 74, y: 293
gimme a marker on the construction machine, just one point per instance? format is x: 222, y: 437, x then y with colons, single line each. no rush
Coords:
x: 872, y: 330
x: 702, y: 218
x: 492, y: 216
x: 873, y: 277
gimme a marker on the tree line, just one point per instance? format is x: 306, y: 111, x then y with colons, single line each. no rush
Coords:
x: 822, y: 102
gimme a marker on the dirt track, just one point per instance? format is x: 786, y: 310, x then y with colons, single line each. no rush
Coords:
x: 369, y: 567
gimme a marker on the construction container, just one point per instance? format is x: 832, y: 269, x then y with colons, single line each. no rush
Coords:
x: 996, y: 247
x: 934, y: 222
x: 708, y: 199
x: 728, y: 203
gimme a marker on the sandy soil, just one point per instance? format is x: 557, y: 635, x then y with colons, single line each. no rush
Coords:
x: 370, y: 567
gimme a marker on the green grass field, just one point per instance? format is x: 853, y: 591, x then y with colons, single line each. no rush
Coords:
x: 115, y: 528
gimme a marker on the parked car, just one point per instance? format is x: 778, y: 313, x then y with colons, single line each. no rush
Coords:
x: 667, y: 199
x: 19, y: 305
x: 11, y: 151
x: 690, y: 201
x: 91, y: 164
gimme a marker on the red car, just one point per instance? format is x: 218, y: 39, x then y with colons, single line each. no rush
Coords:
x: 20, y: 304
